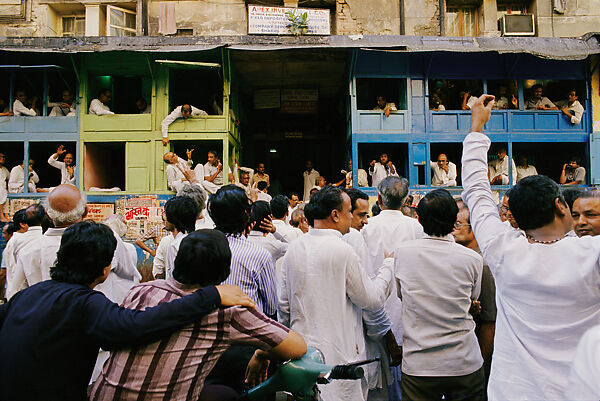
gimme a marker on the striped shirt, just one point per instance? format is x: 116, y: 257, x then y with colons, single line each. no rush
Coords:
x: 253, y: 271
x: 175, y: 367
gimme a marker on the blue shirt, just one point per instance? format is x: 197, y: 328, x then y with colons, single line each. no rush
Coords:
x: 252, y: 269
x: 50, y: 335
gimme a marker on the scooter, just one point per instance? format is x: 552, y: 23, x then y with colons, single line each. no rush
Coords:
x: 300, y: 377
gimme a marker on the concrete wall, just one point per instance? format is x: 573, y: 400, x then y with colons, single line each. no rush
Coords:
x: 375, y: 17
x: 580, y: 17
x: 422, y: 17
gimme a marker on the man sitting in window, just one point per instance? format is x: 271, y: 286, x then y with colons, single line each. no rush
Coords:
x: 184, y: 111
x: 443, y: 172
x: 571, y: 108
x: 573, y: 173
x: 64, y: 108
x: 382, y: 104
x: 99, y: 106
x: 537, y: 101
x: 19, y: 105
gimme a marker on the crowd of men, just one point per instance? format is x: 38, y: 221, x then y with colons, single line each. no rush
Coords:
x: 460, y: 300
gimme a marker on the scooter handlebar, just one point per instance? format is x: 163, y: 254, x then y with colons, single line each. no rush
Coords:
x: 346, y: 372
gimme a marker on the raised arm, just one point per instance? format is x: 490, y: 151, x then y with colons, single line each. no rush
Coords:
x: 365, y: 293
x: 164, y: 125
x: 477, y: 193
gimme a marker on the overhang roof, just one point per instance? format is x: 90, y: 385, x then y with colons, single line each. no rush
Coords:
x: 551, y: 48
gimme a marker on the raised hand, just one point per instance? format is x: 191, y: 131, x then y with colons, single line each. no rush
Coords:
x: 481, y: 112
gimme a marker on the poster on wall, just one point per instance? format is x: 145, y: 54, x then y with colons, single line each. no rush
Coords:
x: 266, y: 20
x: 99, y: 212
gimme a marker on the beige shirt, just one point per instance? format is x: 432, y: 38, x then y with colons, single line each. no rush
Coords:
x: 16, y: 273
x: 437, y: 279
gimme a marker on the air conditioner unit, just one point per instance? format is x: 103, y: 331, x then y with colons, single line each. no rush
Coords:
x: 517, y: 25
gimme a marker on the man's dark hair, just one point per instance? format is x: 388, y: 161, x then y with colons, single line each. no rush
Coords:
x: 571, y: 195
x: 279, y: 206
x: 103, y: 91
x: 576, y: 159
x: 11, y: 227
x: 501, y: 149
x: 437, y: 213
x: 292, y: 194
x: 393, y: 191
x: 203, y: 259
x: 375, y: 209
x: 259, y: 211
x: 229, y: 208
x: 182, y: 212
x: 508, y: 193
x: 356, y: 194
x: 34, y: 215
x: 532, y: 201
x: 323, y: 203
x: 244, y: 173
x: 86, y: 248
x: 19, y: 217
x: 261, y: 185
x: 214, y: 153
x: 534, y: 87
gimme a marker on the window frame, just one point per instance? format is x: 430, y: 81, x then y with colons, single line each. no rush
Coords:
x: 460, y: 11
x: 75, y: 17
x: 123, y: 28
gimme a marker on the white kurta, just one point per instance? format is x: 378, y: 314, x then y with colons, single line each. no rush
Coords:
x: 523, y: 172
x: 4, y: 176
x: 310, y: 180
x: 500, y: 167
x: 20, y: 110
x: 175, y: 177
x: 376, y: 323
x: 16, y: 181
x: 172, y: 254
x: 16, y: 279
x: 38, y: 258
x: 65, y: 177
x: 276, y: 248
x: 379, y: 172
x: 207, y: 171
x: 159, y: 262
x: 322, y: 282
x: 547, y: 295
x: 174, y: 115
x: 441, y: 178
x: 99, y: 108
x: 384, y: 233
x: 583, y: 381
x: 288, y: 232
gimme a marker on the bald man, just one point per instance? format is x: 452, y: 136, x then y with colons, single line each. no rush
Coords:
x: 65, y: 206
x: 443, y: 172
x: 177, y: 170
x: 586, y: 213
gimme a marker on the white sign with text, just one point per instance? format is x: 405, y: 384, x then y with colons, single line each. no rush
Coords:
x: 273, y: 20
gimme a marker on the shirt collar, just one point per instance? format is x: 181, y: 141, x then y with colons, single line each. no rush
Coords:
x: 256, y: 234
x: 34, y: 228
x: 55, y: 232
x: 325, y: 232
x: 392, y: 212
x: 448, y: 238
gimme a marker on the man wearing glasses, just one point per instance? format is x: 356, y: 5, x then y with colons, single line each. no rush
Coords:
x: 443, y: 172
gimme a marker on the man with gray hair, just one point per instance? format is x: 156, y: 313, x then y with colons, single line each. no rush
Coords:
x: 65, y: 206
x: 200, y: 198
x: 384, y: 233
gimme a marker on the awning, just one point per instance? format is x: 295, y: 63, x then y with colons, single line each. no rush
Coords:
x: 550, y: 48
x: 188, y: 65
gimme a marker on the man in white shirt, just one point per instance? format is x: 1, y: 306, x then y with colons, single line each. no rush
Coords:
x: 310, y: 177
x: 293, y: 201
x: 498, y: 169
x: 547, y: 283
x: 524, y: 169
x: 19, y: 108
x: 17, y: 179
x: 573, y: 173
x: 279, y: 210
x: 260, y: 234
x: 65, y: 206
x: 262, y: 195
x: 572, y: 108
x: 383, y: 105
x: 200, y: 197
x: 324, y: 289
x: 99, y: 106
x: 4, y: 176
x: 537, y: 101
x: 65, y: 108
x: 443, y: 172
x: 142, y: 106
x: 586, y: 213
x: 381, y: 169
x: 66, y: 167
x: 184, y: 111
x: 437, y: 281
x: 182, y: 212
x: 379, y: 337
x: 213, y: 173
x: 176, y: 167
x: 384, y: 233
x: 16, y: 278
x: 583, y: 382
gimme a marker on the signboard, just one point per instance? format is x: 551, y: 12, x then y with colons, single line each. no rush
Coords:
x: 299, y: 101
x: 17, y: 204
x: 266, y: 20
x: 267, y: 99
x: 98, y: 212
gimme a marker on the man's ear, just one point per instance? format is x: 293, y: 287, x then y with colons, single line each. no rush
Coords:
x: 335, y: 215
x: 561, y: 208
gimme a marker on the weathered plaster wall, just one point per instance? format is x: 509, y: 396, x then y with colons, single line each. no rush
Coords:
x: 422, y: 18
x: 373, y: 17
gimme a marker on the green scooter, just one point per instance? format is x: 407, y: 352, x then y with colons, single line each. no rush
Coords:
x: 300, y: 377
